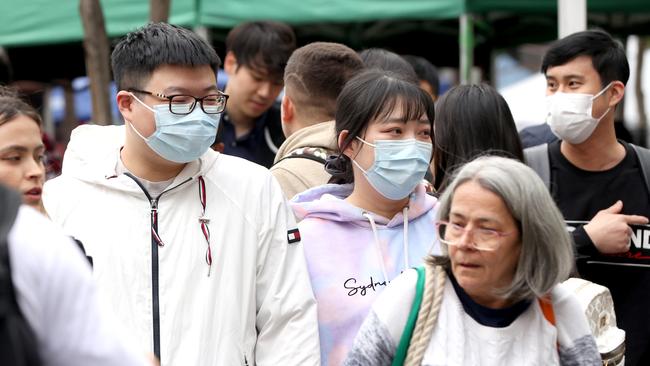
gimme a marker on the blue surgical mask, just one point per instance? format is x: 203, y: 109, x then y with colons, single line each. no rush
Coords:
x: 400, y: 165
x: 181, y: 138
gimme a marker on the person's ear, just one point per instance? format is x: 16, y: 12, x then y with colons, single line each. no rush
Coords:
x: 617, y: 92
x: 230, y: 63
x: 351, y: 150
x: 125, y: 102
x: 287, y: 110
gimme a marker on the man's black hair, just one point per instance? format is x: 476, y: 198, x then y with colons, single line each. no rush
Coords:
x: 139, y: 53
x: 382, y: 59
x: 607, y: 55
x: 264, y: 46
x: 425, y: 71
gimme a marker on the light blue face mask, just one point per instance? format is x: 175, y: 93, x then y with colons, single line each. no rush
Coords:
x: 399, y: 166
x: 181, y: 138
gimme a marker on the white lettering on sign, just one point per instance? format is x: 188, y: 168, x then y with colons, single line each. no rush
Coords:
x: 641, y: 238
x: 637, y: 235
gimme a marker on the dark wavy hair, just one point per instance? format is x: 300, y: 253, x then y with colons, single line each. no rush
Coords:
x: 369, y: 96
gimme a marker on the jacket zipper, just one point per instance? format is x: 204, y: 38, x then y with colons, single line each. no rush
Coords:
x: 154, y: 277
x: 155, y: 242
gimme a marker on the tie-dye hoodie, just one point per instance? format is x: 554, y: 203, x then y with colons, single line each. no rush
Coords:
x: 350, y: 262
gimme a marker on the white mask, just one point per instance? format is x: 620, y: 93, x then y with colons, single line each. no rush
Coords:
x: 569, y: 115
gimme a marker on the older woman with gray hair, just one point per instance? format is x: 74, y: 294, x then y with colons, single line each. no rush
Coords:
x: 494, y: 297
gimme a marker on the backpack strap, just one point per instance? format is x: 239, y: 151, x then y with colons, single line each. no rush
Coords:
x: 9, y: 204
x: 405, y: 340
x: 17, y: 341
x: 316, y: 154
x: 537, y: 158
x: 546, y: 304
x: 273, y: 135
x: 644, y: 160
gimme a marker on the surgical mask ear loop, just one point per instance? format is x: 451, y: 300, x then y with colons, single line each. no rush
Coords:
x: 354, y: 161
x: 365, y: 142
x: 131, y: 124
x: 602, y: 91
x: 598, y: 95
x: 141, y: 102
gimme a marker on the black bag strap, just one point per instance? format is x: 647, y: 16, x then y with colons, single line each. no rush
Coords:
x: 644, y: 160
x: 537, y: 158
x: 9, y: 204
x: 17, y: 341
x: 316, y: 154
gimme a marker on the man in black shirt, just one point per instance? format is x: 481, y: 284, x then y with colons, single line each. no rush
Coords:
x: 257, y: 53
x: 598, y: 181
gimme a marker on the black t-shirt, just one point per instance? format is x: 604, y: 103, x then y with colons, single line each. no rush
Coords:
x: 580, y: 195
x: 495, y: 318
x: 260, y: 144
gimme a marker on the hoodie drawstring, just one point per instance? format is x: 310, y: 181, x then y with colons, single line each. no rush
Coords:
x: 204, y: 221
x: 375, y: 234
x: 405, y: 211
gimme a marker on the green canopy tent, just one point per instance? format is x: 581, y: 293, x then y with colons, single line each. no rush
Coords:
x: 35, y: 22
x: 428, y: 27
x: 38, y: 22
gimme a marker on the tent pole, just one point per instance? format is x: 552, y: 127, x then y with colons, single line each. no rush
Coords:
x: 571, y: 17
x: 98, y: 57
x: 466, y: 42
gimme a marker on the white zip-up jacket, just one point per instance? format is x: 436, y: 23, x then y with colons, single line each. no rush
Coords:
x: 257, y: 305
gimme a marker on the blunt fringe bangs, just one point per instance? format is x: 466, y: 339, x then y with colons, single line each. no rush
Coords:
x: 372, y: 96
x: 546, y: 256
x: 607, y: 55
x: 139, y: 53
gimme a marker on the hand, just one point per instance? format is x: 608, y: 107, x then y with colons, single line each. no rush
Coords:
x: 610, y: 230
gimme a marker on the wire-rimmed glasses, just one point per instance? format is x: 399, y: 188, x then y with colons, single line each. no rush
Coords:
x: 480, y: 238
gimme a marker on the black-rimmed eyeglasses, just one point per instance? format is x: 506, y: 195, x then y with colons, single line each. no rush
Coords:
x: 184, y: 104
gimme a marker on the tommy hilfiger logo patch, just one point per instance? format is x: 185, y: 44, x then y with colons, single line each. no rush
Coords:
x: 293, y: 236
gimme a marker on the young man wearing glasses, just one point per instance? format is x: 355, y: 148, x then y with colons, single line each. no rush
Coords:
x: 195, y: 251
x: 257, y: 53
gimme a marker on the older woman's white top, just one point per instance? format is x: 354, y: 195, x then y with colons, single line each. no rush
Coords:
x: 458, y: 339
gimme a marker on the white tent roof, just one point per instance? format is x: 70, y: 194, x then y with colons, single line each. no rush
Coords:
x: 526, y: 99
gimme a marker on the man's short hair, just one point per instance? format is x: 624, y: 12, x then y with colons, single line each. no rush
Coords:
x: 382, y: 59
x: 607, y: 55
x: 141, y: 52
x: 316, y: 73
x: 425, y: 71
x: 262, y: 45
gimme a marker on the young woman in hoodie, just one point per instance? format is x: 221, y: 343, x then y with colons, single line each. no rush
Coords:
x: 376, y: 220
